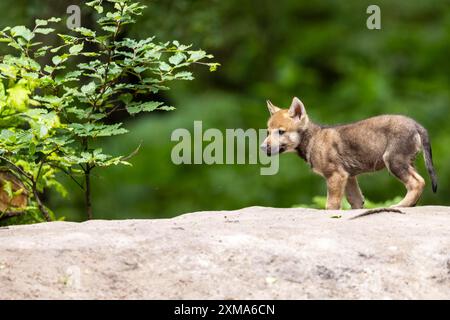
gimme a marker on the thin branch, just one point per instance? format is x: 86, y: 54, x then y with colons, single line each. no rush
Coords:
x: 19, y: 169
x: 11, y: 214
x: 41, y: 206
x: 87, y: 193
x: 39, y: 171
x: 67, y: 173
x: 132, y: 154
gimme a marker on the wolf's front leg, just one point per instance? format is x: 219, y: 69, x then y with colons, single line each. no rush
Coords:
x: 335, y: 190
x: 354, y: 194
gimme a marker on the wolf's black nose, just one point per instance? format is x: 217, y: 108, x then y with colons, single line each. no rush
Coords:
x: 266, y: 149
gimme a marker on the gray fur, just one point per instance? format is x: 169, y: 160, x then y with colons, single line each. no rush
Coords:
x: 342, y: 152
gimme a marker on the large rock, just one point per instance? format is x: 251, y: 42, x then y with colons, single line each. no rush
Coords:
x: 253, y: 253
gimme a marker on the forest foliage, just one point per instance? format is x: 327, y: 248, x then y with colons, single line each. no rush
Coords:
x: 53, y: 108
x: 319, y: 50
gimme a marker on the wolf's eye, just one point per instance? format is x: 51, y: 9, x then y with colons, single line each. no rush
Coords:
x: 280, y: 132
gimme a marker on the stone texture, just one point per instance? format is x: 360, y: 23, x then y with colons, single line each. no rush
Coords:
x: 253, y: 253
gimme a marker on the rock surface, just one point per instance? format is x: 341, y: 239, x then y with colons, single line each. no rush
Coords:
x: 253, y: 253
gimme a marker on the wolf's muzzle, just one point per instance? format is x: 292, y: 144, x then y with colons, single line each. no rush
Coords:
x: 266, y: 148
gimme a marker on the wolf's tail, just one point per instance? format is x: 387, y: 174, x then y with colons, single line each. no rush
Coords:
x: 428, y: 156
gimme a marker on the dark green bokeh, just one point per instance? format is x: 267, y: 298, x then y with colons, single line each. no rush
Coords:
x: 320, y: 51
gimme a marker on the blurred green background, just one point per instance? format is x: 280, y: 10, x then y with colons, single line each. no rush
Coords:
x: 318, y: 50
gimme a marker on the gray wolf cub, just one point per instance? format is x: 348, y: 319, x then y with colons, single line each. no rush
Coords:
x: 340, y: 153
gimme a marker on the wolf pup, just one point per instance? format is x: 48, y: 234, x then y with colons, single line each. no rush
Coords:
x: 340, y: 153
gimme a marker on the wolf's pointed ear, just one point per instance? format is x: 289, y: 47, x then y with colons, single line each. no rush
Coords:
x: 272, y: 108
x: 297, y: 109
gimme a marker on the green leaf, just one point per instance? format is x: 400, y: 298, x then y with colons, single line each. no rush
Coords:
x: 74, y: 50
x: 32, y: 149
x: 2, y: 95
x: 67, y: 39
x: 18, y: 97
x: 56, y: 60
x: 166, y: 108
x: 49, y: 69
x: 85, y: 32
x: 40, y: 22
x: 177, y: 58
x: 197, y: 55
x: 90, y: 54
x: 44, y: 30
x: 126, y: 98
x: 184, y: 75
x: 110, y: 29
x: 7, y: 188
x: 53, y: 19
x: 8, y: 71
x: 137, y: 107
x: 89, y: 88
x: 99, y: 9
x: 70, y: 76
x: 59, y: 59
x: 213, y: 66
x: 54, y: 50
x: 164, y: 66
x: 93, y: 3
x: 50, y: 100
x: 140, y: 69
x: 97, y: 130
x: 22, y: 31
x: 41, y: 51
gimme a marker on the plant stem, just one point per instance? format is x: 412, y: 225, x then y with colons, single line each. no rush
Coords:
x: 87, y: 181
x: 69, y: 174
x: 41, y: 206
x: 87, y: 192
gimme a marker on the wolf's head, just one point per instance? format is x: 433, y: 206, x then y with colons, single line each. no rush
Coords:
x: 284, y: 127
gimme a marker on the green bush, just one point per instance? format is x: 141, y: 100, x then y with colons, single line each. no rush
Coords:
x: 55, y: 115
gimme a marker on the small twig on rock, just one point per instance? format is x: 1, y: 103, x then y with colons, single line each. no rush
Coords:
x: 373, y: 211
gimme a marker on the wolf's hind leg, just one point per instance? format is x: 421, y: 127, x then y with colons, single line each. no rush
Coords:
x: 335, y: 189
x: 354, y: 194
x: 413, y: 182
